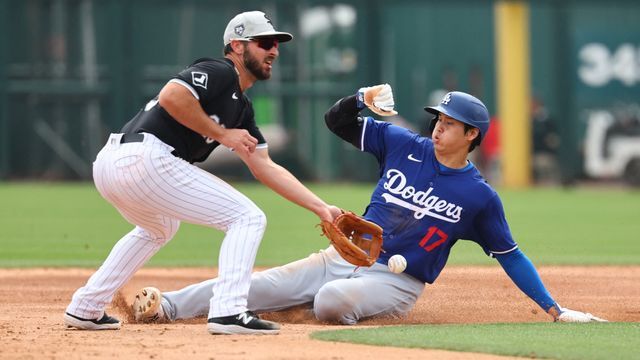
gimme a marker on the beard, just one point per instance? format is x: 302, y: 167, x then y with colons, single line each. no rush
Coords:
x: 253, y: 65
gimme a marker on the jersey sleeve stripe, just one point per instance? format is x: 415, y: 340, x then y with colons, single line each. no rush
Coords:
x: 186, y: 84
x: 504, y: 252
x: 364, y: 129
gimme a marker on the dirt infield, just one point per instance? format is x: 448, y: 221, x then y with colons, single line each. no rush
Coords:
x: 32, y: 302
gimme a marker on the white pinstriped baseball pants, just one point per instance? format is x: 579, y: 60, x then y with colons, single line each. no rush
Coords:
x: 155, y: 191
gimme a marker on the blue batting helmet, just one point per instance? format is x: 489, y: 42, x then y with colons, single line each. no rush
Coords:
x: 462, y: 107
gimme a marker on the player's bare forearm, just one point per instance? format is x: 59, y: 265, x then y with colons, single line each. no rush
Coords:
x: 185, y: 108
x: 286, y: 185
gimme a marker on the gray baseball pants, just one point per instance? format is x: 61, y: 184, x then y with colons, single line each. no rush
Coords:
x: 337, y: 292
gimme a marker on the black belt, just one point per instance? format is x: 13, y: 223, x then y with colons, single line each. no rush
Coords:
x: 129, y: 138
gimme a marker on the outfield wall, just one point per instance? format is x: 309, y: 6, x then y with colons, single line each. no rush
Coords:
x: 73, y: 71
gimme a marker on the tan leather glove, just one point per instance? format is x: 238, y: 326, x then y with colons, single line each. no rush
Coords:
x: 357, y: 240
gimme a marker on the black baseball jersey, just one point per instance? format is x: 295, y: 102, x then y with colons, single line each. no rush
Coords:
x: 215, y: 83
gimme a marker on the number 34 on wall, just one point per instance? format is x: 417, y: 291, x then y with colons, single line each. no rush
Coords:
x: 599, y: 66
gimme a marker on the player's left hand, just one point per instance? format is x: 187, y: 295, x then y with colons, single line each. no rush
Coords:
x: 378, y: 99
x: 568, y: 315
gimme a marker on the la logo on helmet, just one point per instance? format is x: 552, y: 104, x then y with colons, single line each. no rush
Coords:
x: 446, y: 99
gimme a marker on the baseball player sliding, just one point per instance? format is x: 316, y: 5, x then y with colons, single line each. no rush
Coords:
x: 146, y: 172
x: 429, y: 196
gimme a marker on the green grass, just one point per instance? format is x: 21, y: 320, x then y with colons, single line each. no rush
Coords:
x: 536, y: 340
x: 71, y: 225
x: 580, y: 226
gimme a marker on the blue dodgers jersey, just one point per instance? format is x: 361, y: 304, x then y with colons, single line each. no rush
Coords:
x: 425, y: 208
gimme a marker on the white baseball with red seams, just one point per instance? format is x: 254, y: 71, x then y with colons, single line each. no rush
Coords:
x: 397, y: 263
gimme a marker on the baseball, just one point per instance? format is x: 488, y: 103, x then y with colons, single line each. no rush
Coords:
x: 397, y: 263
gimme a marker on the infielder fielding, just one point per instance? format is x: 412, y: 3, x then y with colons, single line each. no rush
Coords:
x: 146, y: 172
x: 427, y: 198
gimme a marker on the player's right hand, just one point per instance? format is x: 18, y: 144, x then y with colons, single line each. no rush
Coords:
x: 568, y: 315
x: 239, y: 140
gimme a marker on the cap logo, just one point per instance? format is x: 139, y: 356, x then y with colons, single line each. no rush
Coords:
x: 268, y: 20
x: 239, y: 30
x: 446, y: 99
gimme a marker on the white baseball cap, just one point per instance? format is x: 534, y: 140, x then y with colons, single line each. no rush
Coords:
x: 252, y: 24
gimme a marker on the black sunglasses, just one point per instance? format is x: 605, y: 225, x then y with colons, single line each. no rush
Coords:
x: 266, y: 43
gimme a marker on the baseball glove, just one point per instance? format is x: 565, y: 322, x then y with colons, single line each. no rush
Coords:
x: 357, y: 240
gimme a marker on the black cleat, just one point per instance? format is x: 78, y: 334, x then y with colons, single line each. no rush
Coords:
x: 243, y: 323
x: 106, y: 322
